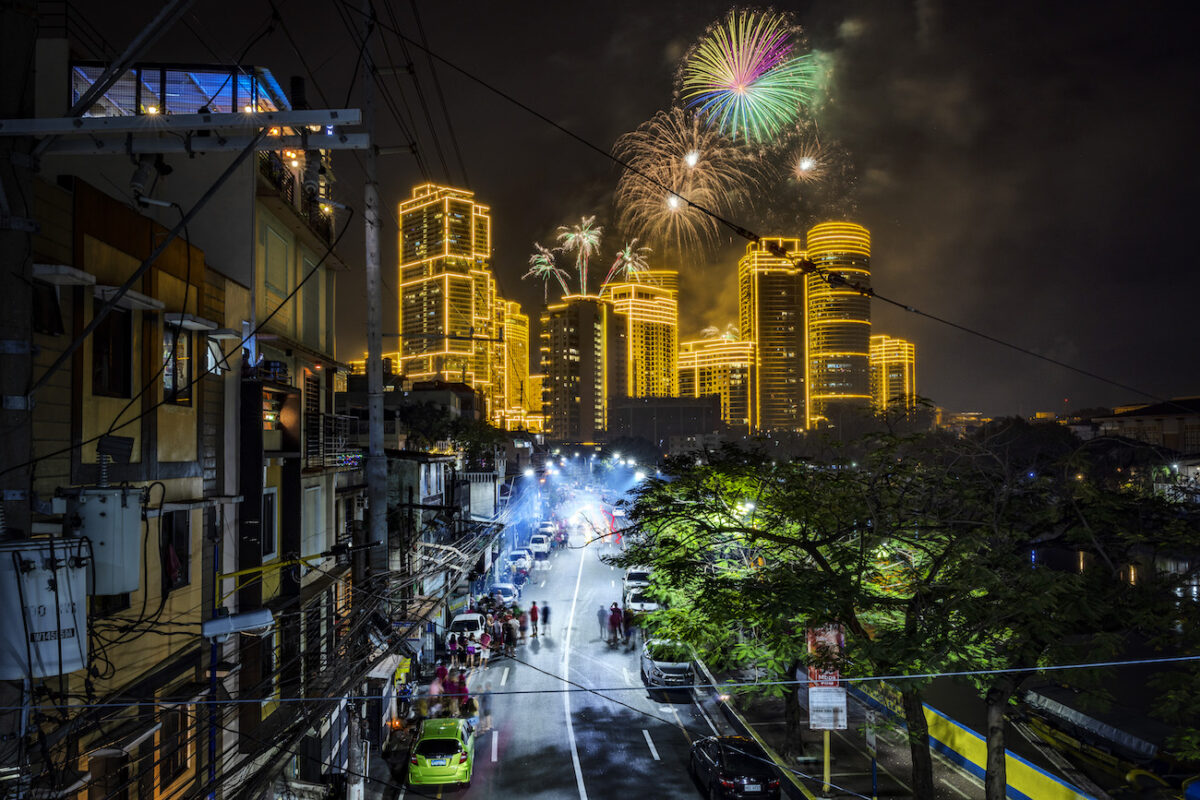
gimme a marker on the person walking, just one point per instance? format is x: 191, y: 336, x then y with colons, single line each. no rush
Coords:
x: 485, y: 707
x: 533, y: 617
x: 524, y: 625
x: 615, y: 618
x: 545, y: 614
x: 510, y: 638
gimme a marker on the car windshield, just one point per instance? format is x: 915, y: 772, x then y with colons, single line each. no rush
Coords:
x: 644, y: 577
x: 746, y: 759
x: 438, y: 748
x: 667, y: 652
x: 464, y: 625
x: 638, y: 597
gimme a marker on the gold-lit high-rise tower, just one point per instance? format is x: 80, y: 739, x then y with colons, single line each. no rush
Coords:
x: 720, y: 366
x: 513, y: 370
x: 649, y: 307
x: 448, y: 316
x: 839, y: 320
x: 893, y: 373
x: 771, y: 305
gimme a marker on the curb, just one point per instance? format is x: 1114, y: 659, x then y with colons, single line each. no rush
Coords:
x: 739, y: 722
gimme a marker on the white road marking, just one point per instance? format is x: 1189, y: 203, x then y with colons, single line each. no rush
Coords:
x: 566, y: 661
x: 504, y: 676
x: 704, y: 713
x: 612, y: 583
x: 679, y: 722
x: 542, y: 584
x: 650, y: 743
x: 495, y: 744
x: 626, y: 675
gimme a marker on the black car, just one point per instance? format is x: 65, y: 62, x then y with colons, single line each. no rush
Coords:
x: 733, y: 767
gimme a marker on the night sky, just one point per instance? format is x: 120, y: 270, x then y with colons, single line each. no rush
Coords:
x: 1026, y: 169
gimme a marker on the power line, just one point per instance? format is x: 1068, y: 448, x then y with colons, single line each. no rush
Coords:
x: 437, y: 83
x: 807, y: 266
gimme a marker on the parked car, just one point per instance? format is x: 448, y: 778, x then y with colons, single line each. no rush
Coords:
x: 637, y: 600
x: 507, y: 592
x: 466, y: 624
x: 666, y: 663
x: 636, y: 578
x: 733, y: 767
x: 519, y: 560
x: 444, y: 753
x: 539, y: 545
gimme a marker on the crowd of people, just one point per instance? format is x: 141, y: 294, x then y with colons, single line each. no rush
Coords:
x: 620, y: 624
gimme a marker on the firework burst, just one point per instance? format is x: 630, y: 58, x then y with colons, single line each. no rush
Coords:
x: 808, y: 161
x: 745, y: 77
x: 584, y: 240
x: 676, y: 164
x: 630, y: 263
x: 542, y: 264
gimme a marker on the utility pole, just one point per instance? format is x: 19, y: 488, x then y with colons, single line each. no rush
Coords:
x: 377, y: 533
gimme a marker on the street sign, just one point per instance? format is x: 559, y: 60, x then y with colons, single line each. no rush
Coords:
x: 872, y: 721
x: 827, y: 708
x: 825, y: 641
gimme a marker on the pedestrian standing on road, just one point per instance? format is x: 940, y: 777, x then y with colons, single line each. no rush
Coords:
x: 498, y: 631
x: 471, y: 713
x: 462, y: 650
x: 485, y: 647
x: 510, y: 638
x: 628, y: 623
x: 533, y: 617
x: 485, y: 706
x: 602, y: 618
x: 524, y: 625
x: 545, y: 613
x: 452, y: 649
x: 441, y: 672
x: 436, y: 690
x: 615, y: 619
x: 472, y: 651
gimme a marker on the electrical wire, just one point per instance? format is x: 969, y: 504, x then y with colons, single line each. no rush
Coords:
x: 807, y: 267
x: 437, y: 83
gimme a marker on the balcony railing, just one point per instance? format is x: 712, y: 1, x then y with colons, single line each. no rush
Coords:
x: 278, y: 175
x: 319, y: 221
x: 328, y: 443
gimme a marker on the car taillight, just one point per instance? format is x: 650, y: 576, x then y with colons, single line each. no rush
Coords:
x: 413, y: 761
x: 728, y: 784
x: 462, y: 759
x: 773, y: 783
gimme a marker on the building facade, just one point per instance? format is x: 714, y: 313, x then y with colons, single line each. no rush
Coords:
x: 722, y: 367
x: 893, y: 373
x: 839, y: 320
x: 448, y: 314
x: 582, y: 360
x: 771, y: 313
x: 651, y: 314
x: 514, y: 366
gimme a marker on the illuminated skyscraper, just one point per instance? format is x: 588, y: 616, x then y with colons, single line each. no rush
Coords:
x: 447, y: 292
x: 720, y: 366
x: 651, y: 314
x: 582, y: 355
x: 513, y: 370
x: 839, y: 319
x: 893, y: 372
x: 771, y: 314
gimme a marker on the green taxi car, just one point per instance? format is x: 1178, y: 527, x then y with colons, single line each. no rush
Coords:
x: 444, y: 753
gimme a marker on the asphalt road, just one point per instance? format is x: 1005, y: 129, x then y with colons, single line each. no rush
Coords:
x: 618, y: 740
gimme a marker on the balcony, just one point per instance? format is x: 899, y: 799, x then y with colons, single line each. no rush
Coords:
x: 328, y: 443
x: 280, y: 181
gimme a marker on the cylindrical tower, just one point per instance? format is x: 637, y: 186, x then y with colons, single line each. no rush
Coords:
x: 839, y: 320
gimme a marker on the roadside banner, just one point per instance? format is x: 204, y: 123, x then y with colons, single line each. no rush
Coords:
x: 826, y: 696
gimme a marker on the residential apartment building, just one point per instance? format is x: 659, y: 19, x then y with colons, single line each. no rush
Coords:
x: 722, y: 367
x: 583, y: 360
x: 893, y: 365
x: 204, y: 394
x: 650, y: 311
x: 771, y: 313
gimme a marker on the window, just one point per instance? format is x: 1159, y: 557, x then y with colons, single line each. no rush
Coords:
x: 269, y: 525
x: 176, y: 549
x: 277, y: 257
x: 112, y: 354
x: 172, y: 744
x: 312, y: 523
x: 215, y: 363
x: 177, y: 366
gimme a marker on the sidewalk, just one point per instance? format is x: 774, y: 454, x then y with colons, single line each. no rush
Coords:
x: 850, y: 772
